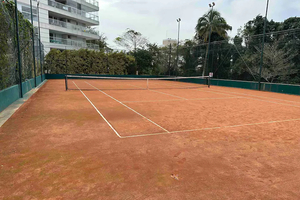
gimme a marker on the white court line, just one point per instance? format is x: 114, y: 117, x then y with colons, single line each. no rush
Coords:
x: 169, y: 94
x: 249, y: 98
x: 212, y: 128
x: 261, y: 96
x: 98, y: 111
x: 173, y: 83
x: 129, y: 108
x: 197, y: 99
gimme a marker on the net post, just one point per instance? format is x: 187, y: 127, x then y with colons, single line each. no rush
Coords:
x: 208, y: 81
x: 147, y: 84
x: 66, y: 82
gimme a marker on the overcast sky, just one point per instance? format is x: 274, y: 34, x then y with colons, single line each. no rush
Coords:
x: 156, y: 19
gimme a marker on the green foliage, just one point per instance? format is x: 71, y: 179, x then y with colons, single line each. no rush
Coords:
x: 85, y: 61
x: 144, y: 61
x: 189, y: 62
x: 213, y: 21
x: 281, y: 52
x: 101, y: 42
x: 3, y: 49
x: 8, y: 46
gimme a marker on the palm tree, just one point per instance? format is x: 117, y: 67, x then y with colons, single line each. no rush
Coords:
x: 209, y: 23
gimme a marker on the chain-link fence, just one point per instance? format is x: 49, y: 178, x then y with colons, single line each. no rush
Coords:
x: 241, y: 58
x: 9, y: 64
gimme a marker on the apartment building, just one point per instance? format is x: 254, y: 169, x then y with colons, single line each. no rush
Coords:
x: 64, y: 24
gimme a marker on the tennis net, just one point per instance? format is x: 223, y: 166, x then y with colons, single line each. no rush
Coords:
x: 74, y: 82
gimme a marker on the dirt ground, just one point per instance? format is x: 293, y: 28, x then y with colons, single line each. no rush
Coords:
x: 204, y: 143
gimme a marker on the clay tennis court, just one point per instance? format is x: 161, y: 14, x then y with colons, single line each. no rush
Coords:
x: 102, y: 141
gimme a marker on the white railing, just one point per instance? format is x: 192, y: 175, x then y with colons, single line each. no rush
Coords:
x: 73, y: 43
x: 73, y: 10
x: 73, y: 26
x: 93, y: 2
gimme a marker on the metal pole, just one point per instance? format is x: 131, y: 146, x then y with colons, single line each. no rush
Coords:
x: 40, y: 44
x: 262, y: 47
x: 33, y: 48
x: 66, y: 82
x: 178, y: 20
x: 147, y: 83
x: 66, y: 60
x: 209, y: 37
x: 18, y: 48
x: 170, y: 59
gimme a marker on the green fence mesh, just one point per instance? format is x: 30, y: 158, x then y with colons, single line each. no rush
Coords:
x: 9, y: 67
x: 240, y: 58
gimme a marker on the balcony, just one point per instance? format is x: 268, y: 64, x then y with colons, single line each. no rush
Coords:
x: 73, y: 43
x: 73, y: 27
x: 73, y: 10
x: 93, y: 2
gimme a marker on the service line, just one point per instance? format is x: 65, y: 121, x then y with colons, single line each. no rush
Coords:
x: 212, y: 128
x: 260, y: 96
x: 225, y: 93
x: 196, y: 99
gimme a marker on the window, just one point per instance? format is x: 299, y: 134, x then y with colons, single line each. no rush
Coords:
x: 27, y: 13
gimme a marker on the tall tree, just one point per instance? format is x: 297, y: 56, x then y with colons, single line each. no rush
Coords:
x: 144, y: 61
x: 278, y: 62
x: 101, y: 41
x: 131, y: 40
x: 156, y: 58
x: 211, y: 22
x: 189, y: 57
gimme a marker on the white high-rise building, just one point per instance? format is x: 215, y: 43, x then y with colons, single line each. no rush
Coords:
x: 64, y: 24
x: 169, y: 41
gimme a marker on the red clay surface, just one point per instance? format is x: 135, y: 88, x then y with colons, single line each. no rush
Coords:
x: 221, y: 143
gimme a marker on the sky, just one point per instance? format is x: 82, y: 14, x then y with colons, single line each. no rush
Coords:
x: 156, y: 19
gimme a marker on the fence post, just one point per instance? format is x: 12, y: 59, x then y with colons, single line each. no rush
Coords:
x: 33, y: 48
x: 18, y: 47
x: 262, y: 48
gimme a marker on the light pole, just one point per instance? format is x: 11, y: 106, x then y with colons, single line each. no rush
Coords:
x: 33, y: 48
x: 177, y: 68
x: 262, y: 47
x: 40, y: 44
x: 207, y: 60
